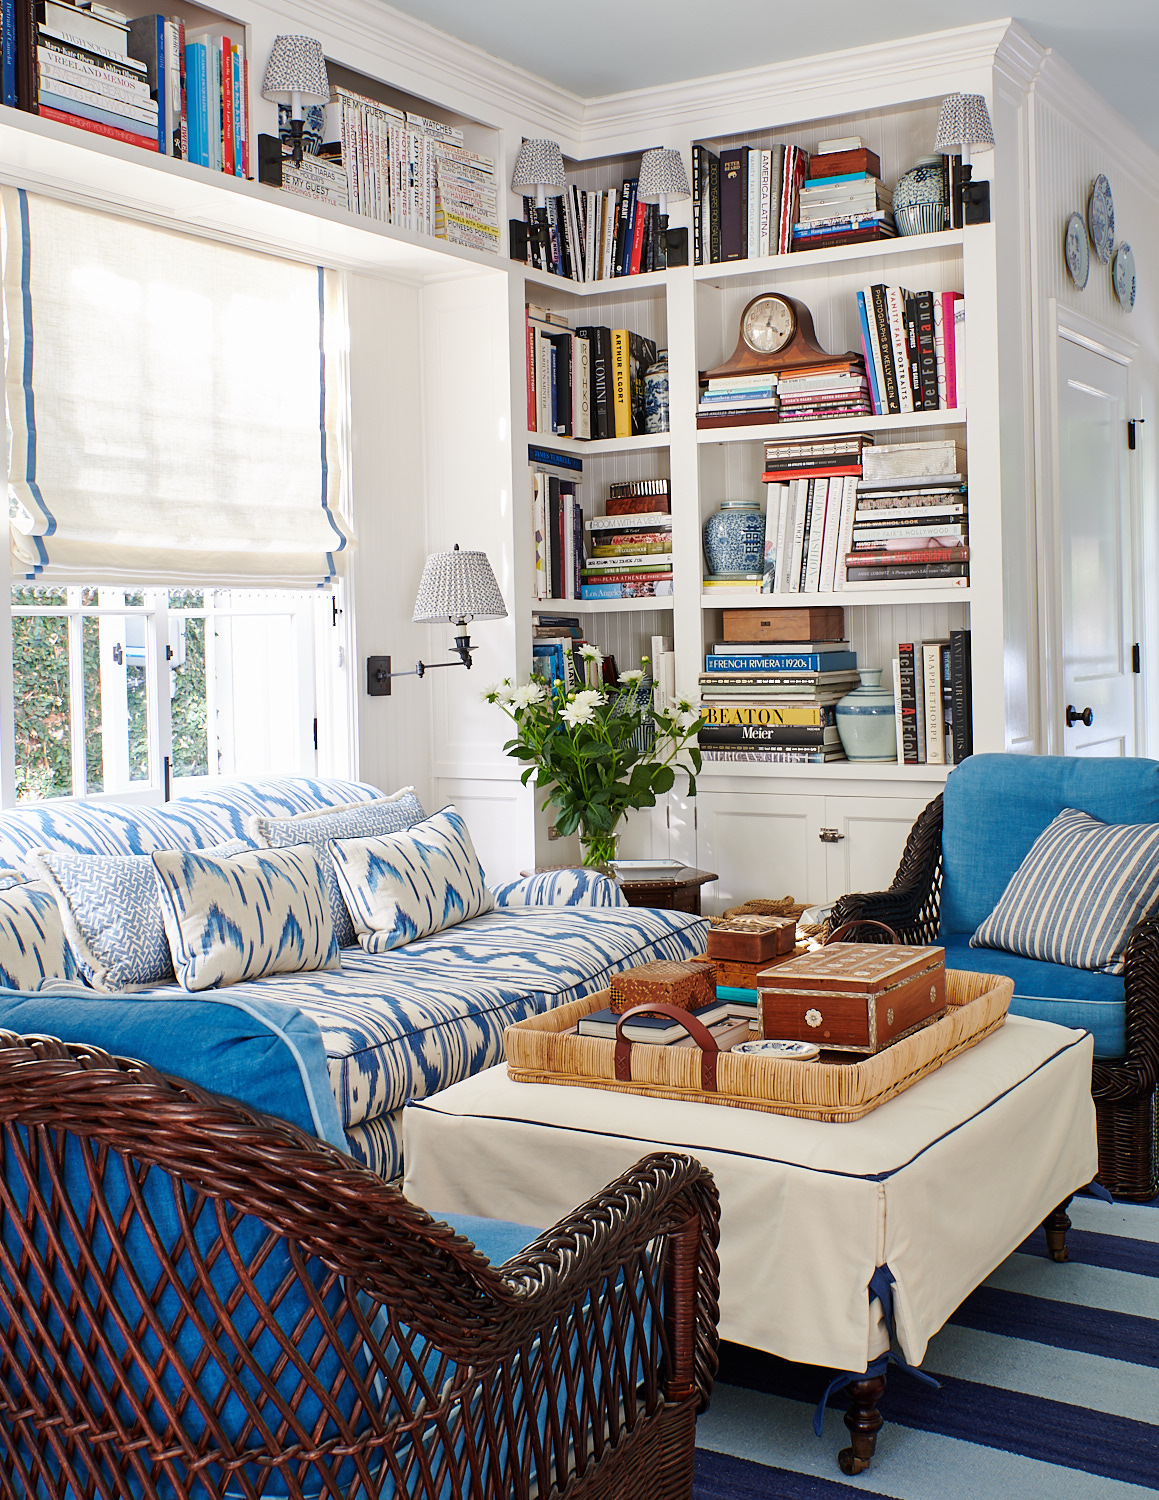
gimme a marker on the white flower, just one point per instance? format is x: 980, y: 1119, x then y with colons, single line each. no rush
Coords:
x: 628, y: 678
x: 686, y: 718
x: 577, y: 713
x: 501, y: 693
x: 590, y: 698
x: 524, y: 697
x: 592, y: 653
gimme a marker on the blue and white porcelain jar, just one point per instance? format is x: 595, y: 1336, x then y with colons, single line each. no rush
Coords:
x: 865, y: 720
x: 734, y: 538
x: 656, y: 394
x: 919, y: 199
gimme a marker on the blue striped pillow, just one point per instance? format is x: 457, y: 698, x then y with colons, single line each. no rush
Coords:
x: 1078, y: 895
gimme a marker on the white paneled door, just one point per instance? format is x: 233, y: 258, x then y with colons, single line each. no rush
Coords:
x: 1098, y: 698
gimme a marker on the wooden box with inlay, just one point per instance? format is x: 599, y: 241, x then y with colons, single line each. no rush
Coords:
x: 853, y: 997
x: 751, y: 940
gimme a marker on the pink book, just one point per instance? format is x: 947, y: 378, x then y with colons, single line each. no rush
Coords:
x: 947, y: 300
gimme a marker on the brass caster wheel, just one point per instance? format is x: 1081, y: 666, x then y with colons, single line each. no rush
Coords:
x: 850, y: 1463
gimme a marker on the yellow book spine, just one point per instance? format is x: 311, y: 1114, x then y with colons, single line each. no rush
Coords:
x: 752, y: 713
x: 621, y: 383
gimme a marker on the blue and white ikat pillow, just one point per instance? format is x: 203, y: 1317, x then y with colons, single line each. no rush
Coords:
x: 33, y: 946
x: 403, y: 886
x: 236, y: 917
x: 354, y: 820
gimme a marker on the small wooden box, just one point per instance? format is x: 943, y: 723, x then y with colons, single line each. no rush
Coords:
x: 822, y: 622
x: 742, y: 976
x: 854, y: 997
x: 636, y: 505
x: 752, y: 940
x: 667, y: 981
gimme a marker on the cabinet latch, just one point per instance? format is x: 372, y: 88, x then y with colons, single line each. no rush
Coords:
x: 831, y: 836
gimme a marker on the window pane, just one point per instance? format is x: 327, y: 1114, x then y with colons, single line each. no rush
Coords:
x: 38, y: 597
x: 41, y: 700
x: 190, y: 749
x: 94, y: 748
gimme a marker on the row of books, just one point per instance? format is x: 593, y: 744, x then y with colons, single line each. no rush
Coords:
x: 844, y: 201
x: 932, y: 701
x: 597, y: 235
x: 838, y: 388
x: 410, y: 171
x: 810, y: 494
x: 910, y: 520
x: 628, y: 557
x: 586, y: 382
x: 625, y: 554
x: 774, y: 701
x: 915, y: 348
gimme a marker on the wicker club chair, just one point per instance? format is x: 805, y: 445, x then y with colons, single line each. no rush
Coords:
x: 200, y: 1301
x: 1124, y: 1090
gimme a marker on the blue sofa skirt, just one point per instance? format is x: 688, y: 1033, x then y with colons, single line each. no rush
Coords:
x: 1052, y: 992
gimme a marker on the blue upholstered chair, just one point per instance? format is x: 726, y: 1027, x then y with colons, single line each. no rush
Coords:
x: 960, y: 857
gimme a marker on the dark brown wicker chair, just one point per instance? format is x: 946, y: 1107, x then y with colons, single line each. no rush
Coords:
x: 1125, y: 1090
x: 200, y: 1301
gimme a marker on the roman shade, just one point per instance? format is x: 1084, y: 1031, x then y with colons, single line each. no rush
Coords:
x: 172, y: 405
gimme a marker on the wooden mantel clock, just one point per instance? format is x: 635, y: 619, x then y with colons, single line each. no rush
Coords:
x: 776, y: 333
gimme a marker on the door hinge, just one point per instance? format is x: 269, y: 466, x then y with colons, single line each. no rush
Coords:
x: 831, y: 835
x: 1136, y: 658
x: 1132, y: 423
x: 315, y: 734
x: 334, y: 601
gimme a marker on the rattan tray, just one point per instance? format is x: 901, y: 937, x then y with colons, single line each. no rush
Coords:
x: 544, y: 1049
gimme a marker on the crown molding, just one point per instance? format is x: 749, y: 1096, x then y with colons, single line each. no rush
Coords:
x: 1059, y: 87
x: 1019, y: 58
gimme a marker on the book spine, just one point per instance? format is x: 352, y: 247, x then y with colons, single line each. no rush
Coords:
x: 948, y: 299
x: 714, y: 208
x: 621, y: 384
x: 660, y: 588
x: 94, y: 78
x: 65, y: 99
x: 845, y: 531
x: 529, y: 339
x: 960, y: 363
x: 895, y: 312
x: 582, y: 378
x: 867, y: 355
x: 235, y: 97
x: 639, y: 219
x: 909, y: 703
x: 932, y: 676
x: 884, y: 350
x: 733, y: 204
x: 623, y: 228
x: 24, y: 34
x: 927, y: 355
x: 790, y: 735
x: 800, y: 495
x: 912, y: 350
x: 898, y: 720
x: 947, y: 703
x: 812, y: 715
x: 8, y: 53
x: 877, y: 571
x: 960, y: 687
x: 98, y: 127
x: 940, y: 351
x: 181, y: 145
x: 555, y: 559
x: 753, y: 204
x: 774, y: 495
x: 821, y: 493
x: 784, y: 536
x: 539, y: 554
x: 697, y: 204
x: 832, y: 535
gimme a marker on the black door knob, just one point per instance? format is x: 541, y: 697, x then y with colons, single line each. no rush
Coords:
x: 1073, y: 716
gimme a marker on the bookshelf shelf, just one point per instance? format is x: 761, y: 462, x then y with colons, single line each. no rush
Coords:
x: 583, y: 448
x: 46, y: 156
x: 645, y: 284
x: 787, y: 431
x: 933, y: 595
x: 917, y: 245
x: 598, y: 606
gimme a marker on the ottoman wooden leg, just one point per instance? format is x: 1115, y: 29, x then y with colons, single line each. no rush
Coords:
x: 1056, y: 1225
x: 863, y: 1420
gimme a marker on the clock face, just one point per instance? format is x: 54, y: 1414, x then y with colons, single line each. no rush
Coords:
x: 768, y: 324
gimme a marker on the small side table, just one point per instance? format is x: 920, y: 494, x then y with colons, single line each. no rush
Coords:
x: 679, y: 892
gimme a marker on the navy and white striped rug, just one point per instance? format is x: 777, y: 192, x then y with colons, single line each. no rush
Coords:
x: 1050, y: 1390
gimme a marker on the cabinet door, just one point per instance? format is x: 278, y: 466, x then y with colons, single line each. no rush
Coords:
x: 863, y: 839
x: 759, y: 845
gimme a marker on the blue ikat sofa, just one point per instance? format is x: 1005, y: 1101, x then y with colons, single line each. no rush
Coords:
x: 339, y: 1052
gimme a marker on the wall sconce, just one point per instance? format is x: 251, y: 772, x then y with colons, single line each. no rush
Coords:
x: 662, y: 176
x: 296, y: 75
x: 964, y: 123
x: 539, y: 166
x: 457, y: 587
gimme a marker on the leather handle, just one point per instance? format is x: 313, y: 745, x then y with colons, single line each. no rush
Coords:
x: 697, y: 1030
x: 835, y: 937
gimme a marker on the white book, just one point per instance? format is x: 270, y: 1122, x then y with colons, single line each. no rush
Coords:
x: 754, y: 204
x: 960, y: 349
x: 543, y: 422
x: 590, y: 228
x: 766, y: 201
x: 895, y: 303
x: 833, y: 511
x: 897, y: 719
x: 845, y: 536
x: 774, y: 498
x: 935, y: 713
x: 784, y: 536
x: 144, y: 113
x: 823, y: 489
x: 568, y: 590
x: 650, y: 520
x: 846, y: 143
x: 875, y: 345
x: 539, y: 533
x: 99, y: 78
x: 800, y: 517
x: 900, y: 534
x: 920, y: 698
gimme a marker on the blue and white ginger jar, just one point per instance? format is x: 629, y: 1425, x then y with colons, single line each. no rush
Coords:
x: 734, y: 538
x: 865, y: 720
x: 656, y: 394
x: 919, y: 199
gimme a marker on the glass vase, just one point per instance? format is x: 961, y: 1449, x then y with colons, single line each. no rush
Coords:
x: 598, y: 849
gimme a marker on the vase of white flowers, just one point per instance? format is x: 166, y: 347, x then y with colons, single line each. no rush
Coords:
x: 597, y: 752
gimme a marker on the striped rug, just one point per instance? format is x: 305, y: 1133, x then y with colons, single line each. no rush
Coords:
x: 1050, y: 1390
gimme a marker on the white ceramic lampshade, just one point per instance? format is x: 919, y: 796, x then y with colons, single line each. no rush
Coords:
x: 458, y: 586
x: 539, y: 165
x: 662, y: 176
x: 296, y: 66
x: 964, y: 125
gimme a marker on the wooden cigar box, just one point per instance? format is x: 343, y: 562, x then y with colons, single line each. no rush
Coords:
x: 751, y: 940
x: 742, y: 976
x: 853, y: 997
x: 687, y: 984
x: 815, y: 622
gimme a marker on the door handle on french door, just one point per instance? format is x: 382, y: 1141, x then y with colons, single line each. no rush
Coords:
x: 1073, y: 716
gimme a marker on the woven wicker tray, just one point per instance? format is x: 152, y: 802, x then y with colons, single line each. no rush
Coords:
x: 544, y: 1049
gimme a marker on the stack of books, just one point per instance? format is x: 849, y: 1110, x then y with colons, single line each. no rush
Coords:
x: 932, y: 701
x: 738, y: 401
x: 594, y: 236
x: 319, y: 178
x: 745, y: 201
x: 557, y: 530
x: 811, y: 491
x: 910, y: 522
x: 628, y: 557
x: 586, y: 382
x: 765, y: 701
x: 838, y: 389
x: 555, y: 644
x: 844, y: 201
x: 915, y: 348
x: 89, y: 79
x: 415, y: 172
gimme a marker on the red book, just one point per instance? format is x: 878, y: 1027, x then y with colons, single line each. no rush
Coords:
x: 868, y: 556
x: 98, y: 127
x: 638, y: 238
x: 740, y: 419
x: 950, y: 352
x: 774, y: 476
x: 227, y: 148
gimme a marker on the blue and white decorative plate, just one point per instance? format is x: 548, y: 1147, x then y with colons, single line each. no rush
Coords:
x: 1123, y: 276
x: 1101, y: 218
x: 1077, y: 251
x: 789, y: 1051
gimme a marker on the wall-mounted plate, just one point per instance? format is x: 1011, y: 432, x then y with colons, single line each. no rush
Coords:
x: 1123, y: 275
x: 1077, y: 251
x: 1101, y: 218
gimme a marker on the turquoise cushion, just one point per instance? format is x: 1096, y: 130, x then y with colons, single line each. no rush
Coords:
x: 995, y: 806
x: 1052, y: 992
x: 497, y: 1239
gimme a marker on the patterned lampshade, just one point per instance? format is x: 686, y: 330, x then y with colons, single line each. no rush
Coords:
x: 963, y: 123
x: 458, y: 586
x: 539, y: 165
x: 662, y: 174
x: 296, y: 66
